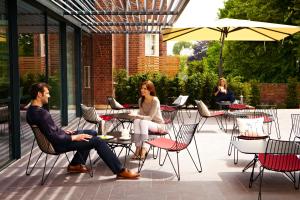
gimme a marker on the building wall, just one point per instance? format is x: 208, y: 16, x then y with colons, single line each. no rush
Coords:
x: 274, y: 93
x: 119, y: 51
x: 109, y: 54
x: 102, y: 67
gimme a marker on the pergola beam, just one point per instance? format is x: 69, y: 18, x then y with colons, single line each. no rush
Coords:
x: 123, y: 16
x: 114, y: 12
x: 126, y: 24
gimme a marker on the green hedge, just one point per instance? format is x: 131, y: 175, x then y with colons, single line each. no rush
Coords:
x: 196, y: 85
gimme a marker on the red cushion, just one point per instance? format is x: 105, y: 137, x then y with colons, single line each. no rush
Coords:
x: 237, y: 106
x: 126, y: 105
x: 277, y: 162
x: 267, y: 119
x: 168, y: 144
x: 244, y: 137
x: 167, y: 108
x: 158, y: 133
x: 106, y: 117
x: 216, y: 113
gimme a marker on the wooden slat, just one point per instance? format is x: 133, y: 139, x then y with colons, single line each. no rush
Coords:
x: 168, y: 65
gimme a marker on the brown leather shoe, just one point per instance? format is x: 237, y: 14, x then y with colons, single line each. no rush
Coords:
x: 127, y: 174
x: 78, y: 169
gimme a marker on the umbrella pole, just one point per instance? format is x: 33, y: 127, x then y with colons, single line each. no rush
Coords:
x: 221, y: 51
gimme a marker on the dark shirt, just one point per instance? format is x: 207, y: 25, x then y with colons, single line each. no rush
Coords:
x: 41, y: 117
x: 221, y: 96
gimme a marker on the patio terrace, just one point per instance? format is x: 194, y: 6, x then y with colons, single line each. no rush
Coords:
x: 220, y: 178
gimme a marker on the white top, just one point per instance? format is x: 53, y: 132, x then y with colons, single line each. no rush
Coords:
x: 151, y: 111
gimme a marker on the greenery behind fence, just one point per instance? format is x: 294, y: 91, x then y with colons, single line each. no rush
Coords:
x: 199, y: 86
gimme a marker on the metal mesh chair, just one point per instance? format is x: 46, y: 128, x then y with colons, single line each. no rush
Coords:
x: 179, y: 103
x: 114, y: 105
x: 280, y: 156
x: 295, y: 130
x: 46, y: 148
x: 248, y: 125
x: 205, y: 114
x: 182, y: 141
x: 272, y: 118
x: 90, y: 115
x: 168, y: 116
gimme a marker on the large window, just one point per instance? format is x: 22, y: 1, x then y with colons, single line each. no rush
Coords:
x: 54, y: 66
x: 32, y: 60
x: 152, y: 45
x: 5, y: 135
x: 71, y: 72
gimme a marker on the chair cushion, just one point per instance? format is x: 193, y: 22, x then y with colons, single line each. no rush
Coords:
x: 216, y: 113
x: 167, y: 108
x: 167, y: 144
x: 267, y: 119
x: 251, y: 127
x: 203, y: 110
x: 116, y: 105
x: 279, y: 162
x: 106, y: 117
x: 90, y: 114
x: 237, y: 106
x: 158, y: 133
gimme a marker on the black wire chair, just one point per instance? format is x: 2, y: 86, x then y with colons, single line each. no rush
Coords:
x: 205, y: 113
x: 181, y: 142
x: 272, y: 118
x: 90, y: 115
x: 280, y: 156
x: 168, y: 116
x: 248, y: 125
x: 295, y: 130
x: 47, y: 149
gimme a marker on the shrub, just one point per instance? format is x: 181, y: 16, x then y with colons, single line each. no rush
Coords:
x: 292, y: 95
x: 255, y: 93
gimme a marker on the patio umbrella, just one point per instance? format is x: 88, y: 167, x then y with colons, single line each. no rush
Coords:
x: 230, y: 29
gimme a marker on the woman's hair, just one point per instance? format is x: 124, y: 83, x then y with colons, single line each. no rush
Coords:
x: 150, y: 86
x: 225, y: 82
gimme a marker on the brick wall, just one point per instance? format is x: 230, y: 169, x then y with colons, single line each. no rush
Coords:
x: 102, y: 67
x: 136, y: 49
x: 162, y: 47
x: 53, y: 53
x: 109, y: 53
x: 119, y: 51
x: 274, y: 93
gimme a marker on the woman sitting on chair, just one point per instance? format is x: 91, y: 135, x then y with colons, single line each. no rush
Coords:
x: 149, y: 117
x: 222, y: 93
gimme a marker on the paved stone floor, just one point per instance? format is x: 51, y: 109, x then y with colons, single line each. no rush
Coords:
x: 220, y: 179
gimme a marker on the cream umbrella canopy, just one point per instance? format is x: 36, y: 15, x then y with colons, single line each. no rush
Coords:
x: 230, y: 29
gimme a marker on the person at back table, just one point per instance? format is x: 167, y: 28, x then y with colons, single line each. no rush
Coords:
x: 148, y: 118
x: 63, y: 141
x: 222, y: 93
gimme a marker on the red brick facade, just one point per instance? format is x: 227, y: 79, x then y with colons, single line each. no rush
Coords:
x: 274, y: 93
x: 109, y: 54
x: 102, y: 67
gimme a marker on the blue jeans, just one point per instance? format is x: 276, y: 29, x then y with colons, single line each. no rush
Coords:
x: 83, y: 148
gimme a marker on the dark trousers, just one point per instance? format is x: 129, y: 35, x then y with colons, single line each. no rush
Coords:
x: 83, y: 148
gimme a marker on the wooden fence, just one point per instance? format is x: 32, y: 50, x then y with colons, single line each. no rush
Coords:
x: 168, y: 65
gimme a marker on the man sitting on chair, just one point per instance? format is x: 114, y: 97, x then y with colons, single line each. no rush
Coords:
x: 64, y: 141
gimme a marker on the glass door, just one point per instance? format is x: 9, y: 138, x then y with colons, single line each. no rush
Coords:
x: 5, y: 134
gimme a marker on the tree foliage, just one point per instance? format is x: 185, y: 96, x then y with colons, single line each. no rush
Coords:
x: 263, y: 61
x: 178, y: 46
x: 200, y: 49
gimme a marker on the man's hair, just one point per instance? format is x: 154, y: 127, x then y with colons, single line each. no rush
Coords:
x: 36, y: 88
